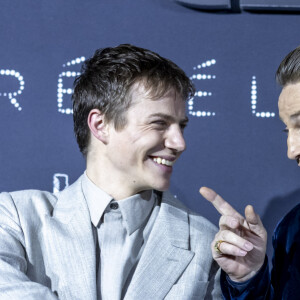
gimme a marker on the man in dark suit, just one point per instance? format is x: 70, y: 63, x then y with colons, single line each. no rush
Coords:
x: 240, y: 245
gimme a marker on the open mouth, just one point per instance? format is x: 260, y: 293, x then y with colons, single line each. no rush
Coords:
x: 163, y: 161
x: 298, y: 160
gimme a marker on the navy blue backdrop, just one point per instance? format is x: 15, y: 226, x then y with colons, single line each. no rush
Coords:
x: 235, y: 142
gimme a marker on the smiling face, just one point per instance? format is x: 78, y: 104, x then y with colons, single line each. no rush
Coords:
x: 141, y: 155
x: 289, y: 111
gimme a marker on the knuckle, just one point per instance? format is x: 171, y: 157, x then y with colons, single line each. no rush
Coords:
x: 236, y: 252
x: 222, y: 220
x: 265, y: 233
x: 226, y: 234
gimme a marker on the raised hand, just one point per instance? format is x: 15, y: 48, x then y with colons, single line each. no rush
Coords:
x: 240, y: 245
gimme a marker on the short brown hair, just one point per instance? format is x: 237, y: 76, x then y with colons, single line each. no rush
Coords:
x: 106, y: 80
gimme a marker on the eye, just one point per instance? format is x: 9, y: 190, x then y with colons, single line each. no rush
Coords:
x: 286, y: 130
x: 183, y: 126
x: 159, y: 123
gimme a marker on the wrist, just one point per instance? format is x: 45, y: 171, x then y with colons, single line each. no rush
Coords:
x: 243, y: 278
x: 251, y: 274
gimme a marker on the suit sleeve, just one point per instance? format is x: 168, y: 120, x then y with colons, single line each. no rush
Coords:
x: 213, y: 289
x: 14, y: 283
x: 258, y: 287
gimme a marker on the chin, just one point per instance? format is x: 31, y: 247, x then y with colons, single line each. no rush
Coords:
x: 162, y: 187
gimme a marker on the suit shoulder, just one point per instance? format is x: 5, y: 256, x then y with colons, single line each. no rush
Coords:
x: 289, y: 224
x: 197, y: 222
x: 291, y: 218
x: 28, y: 200
x: 170, y: 199
x: 197, y: 219
x: 33, y: 196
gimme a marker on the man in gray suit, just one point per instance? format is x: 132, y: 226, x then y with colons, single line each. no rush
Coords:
x: 116, y: 233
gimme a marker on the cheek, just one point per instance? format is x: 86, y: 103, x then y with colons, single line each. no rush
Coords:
x: 147, y: 140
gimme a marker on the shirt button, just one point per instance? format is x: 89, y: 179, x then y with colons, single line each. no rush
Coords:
x: 114, y: 205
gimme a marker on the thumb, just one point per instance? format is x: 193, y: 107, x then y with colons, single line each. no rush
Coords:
x: 251, y: 216
x: 254, y: 221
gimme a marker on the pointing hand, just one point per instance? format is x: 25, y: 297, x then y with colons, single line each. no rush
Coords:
x: 240, y: 245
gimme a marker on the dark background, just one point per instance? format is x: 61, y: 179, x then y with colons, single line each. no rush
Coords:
x: 241, y: 156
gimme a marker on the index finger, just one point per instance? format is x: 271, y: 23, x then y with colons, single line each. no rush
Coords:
x: 223, y: 207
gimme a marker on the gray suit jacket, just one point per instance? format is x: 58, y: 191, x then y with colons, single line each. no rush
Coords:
x: 47, y: 250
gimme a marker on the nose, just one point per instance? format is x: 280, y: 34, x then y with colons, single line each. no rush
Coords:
x: 174, y: 139
x: 293, y: 143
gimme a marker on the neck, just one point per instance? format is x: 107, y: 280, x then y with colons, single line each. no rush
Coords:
x: 111, y: 185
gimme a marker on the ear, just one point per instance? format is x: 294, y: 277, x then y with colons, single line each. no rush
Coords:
x: 98, y: 126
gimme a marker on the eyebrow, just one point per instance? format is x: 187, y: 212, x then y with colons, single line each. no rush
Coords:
x: 169, y: 117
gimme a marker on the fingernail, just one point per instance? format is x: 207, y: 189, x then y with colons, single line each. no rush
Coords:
x: 207, y: 193
x: 243, y: 253
x: 248, y: 246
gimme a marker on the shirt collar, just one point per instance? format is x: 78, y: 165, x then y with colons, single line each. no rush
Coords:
x: 134, y: 209
x: 97, y: 200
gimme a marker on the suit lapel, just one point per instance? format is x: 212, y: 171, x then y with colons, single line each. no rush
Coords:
x: 166, y: 254
x: 69, y: 244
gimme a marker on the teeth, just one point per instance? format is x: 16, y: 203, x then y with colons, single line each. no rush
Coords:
x: 163, y: 161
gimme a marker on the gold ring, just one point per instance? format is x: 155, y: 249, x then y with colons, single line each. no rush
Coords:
x: 217, y: 246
